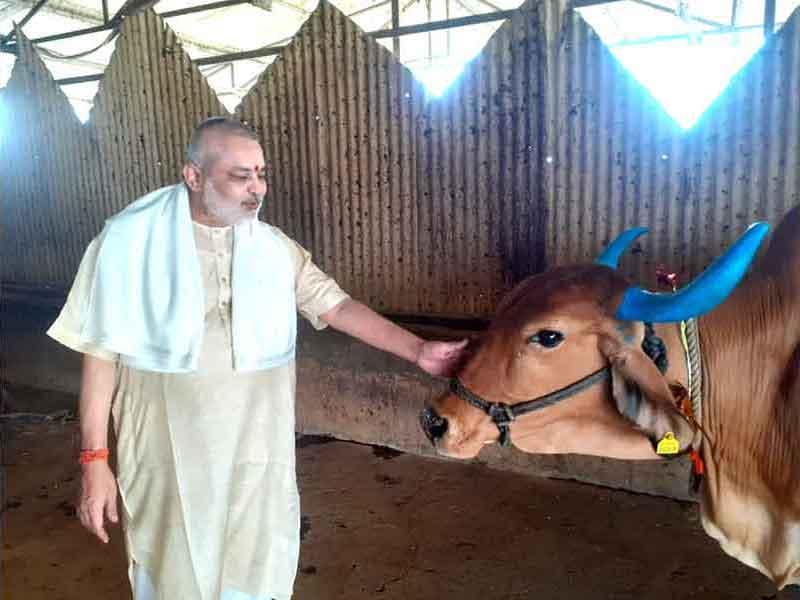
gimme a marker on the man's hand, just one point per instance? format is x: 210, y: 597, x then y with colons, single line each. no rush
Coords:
x: 361, y: 322
x: 98, y: 498
x: 441, y: 358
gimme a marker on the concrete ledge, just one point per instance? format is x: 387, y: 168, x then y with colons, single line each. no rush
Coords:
x: 345, y: 390
x: 349, y: 391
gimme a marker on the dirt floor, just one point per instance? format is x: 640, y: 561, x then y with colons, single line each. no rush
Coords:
x: 379, y: 524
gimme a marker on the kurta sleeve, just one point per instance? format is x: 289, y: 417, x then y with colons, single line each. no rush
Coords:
x: 316, y: 293
x: 67, y: 327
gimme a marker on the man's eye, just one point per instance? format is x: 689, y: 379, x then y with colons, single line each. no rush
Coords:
x: 547, y: 338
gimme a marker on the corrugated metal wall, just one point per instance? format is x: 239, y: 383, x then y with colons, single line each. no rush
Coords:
x: 337, y: 115
x: 742, y: 161
x: 618, y: 161
x: 60, y: 180
x: 150, y: 98
x: 41, y: 189
x: 544, y: 151
x: 479, y: 173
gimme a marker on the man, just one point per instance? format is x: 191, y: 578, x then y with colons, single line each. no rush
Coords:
x: 184, y: 308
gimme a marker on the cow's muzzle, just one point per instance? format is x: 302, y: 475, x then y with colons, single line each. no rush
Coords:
x: 432, y: 424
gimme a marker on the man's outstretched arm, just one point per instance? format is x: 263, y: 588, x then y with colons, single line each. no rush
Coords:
x: 361, y: 322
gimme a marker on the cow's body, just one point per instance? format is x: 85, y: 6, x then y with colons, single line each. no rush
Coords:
x: 751, y: 354
x: 750, y: 348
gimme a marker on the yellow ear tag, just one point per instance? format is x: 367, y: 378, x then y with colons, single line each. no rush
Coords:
x: 668, y: 444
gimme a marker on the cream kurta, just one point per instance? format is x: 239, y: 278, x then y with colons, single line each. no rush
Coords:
x: 206, y: 461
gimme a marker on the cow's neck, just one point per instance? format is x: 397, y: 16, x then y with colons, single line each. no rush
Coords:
x: 677, y: 370
x: 751, y: 410
x: 749, y: 344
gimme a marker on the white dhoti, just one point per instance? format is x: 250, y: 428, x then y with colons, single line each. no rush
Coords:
x: 206, y: 461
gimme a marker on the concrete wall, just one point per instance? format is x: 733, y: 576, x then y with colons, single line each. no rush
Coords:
x: 345, y: 389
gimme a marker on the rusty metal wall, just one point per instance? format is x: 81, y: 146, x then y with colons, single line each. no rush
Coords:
x: 149, y: 100
x: 544, y: 151
x: 479, y: 173
x: 60, y: 180
x: 614, y: 159
x: 337, y: 113
x: 44, y: 159
x: 741, y: 162
x: 416, y: 205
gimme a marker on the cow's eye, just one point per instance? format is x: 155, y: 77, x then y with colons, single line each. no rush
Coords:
x: 546, y: 338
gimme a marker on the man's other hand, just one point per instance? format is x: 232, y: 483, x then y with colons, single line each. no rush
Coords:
x: 98, y: 498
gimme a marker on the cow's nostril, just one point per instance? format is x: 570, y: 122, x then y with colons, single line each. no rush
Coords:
x: 433, y: 425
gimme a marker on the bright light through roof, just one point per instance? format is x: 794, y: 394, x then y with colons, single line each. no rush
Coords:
x: 684, y: 52
x: 687, y: 76
x: 437, y: 76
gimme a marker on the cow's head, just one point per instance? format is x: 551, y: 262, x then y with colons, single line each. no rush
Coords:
x: 569, y: 341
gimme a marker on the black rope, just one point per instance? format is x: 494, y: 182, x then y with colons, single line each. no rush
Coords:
x: 655, y: 348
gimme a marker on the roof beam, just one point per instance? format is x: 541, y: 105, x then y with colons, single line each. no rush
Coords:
x: 87, y: 15
x: 667, y: 9
x: 769, y: 17
x: 36, y: 8
x: 8, y: 9
x: 585, y: 3
x: 294, y: 7
x: 684, y: 36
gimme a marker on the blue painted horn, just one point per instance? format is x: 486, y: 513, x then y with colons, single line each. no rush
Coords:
x: 610, y: 256
x: 703, y: 294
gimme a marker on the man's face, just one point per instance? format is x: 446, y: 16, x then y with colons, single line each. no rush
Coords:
x: 230, y: 184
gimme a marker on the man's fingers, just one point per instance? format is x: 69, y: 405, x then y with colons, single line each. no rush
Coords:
x: 111, y: 509
x: 455, y: 347
x: 83, y: 516
x: 96, y: 521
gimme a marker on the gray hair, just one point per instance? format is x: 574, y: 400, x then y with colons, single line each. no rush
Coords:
x: 222, y: 125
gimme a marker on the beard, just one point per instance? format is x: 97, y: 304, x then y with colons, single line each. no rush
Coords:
x: 225, y: 211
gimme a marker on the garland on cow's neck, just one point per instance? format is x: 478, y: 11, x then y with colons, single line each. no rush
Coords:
x: 691, y: 345
x: 690, y: 340
x: 655, y: 348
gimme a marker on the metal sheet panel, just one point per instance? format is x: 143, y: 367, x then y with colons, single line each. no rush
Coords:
x: 615, y: 160
x: 543, y: 152
x: 479, y: 176
x: 150, y: 99
x: 337, y: 115
x: 60, y: 180
x: 46, y: 154
x: 742, y: 160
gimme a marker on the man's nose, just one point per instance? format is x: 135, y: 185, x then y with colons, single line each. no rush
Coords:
x: 432, y: 424
x: 257, y: 187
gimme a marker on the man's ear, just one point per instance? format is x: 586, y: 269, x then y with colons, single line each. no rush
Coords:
x: 193, y: 177
x: 641, y: 392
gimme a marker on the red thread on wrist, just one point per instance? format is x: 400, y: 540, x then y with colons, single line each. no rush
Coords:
x: 87, y: 456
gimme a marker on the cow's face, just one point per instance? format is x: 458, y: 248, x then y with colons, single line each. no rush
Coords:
x: 551, y: 331
x: 556, y: 328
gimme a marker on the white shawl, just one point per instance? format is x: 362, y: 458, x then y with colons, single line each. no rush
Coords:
x: 147, y: 299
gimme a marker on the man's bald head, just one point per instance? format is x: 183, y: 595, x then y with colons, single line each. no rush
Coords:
x: 208, y: 138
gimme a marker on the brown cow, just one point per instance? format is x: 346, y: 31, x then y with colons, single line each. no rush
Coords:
x: 562, y: 369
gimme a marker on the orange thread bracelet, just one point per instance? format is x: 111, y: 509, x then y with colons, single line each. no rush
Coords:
x: 87, y: 456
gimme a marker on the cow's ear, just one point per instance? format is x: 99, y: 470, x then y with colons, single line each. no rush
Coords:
x: 641, y: 393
